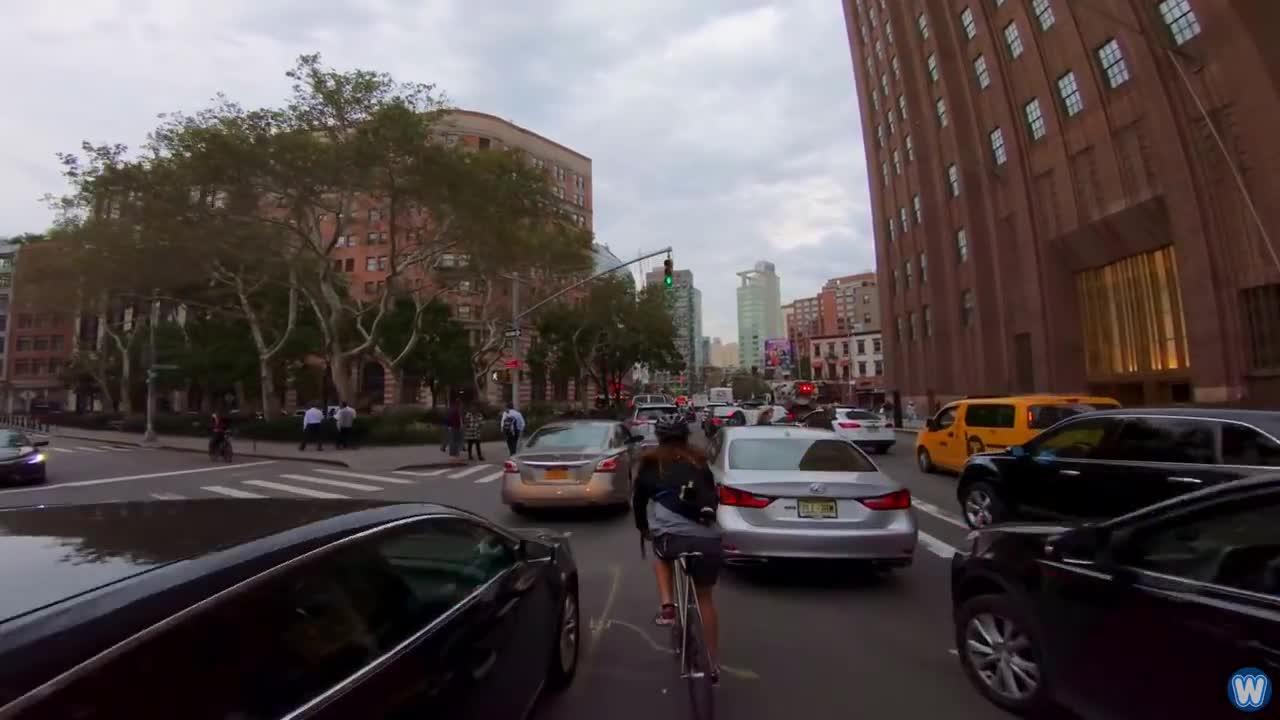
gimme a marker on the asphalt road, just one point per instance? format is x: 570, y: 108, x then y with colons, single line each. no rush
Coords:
x: 811, y: 641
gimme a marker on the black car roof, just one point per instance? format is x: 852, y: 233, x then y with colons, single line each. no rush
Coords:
x: 1268, y: 420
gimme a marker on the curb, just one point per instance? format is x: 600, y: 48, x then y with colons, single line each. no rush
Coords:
x: 178, y: 448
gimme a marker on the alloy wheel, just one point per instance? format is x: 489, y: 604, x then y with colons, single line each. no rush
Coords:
x: 1000, y: 654
x: 569, y: 633
x: 977, y: 508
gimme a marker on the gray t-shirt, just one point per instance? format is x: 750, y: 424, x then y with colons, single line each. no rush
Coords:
x: 663, y: 521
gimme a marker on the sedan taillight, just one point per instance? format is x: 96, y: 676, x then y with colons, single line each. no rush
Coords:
x: 607, y: 464
x: 898, y: 500
x: 741, y: 498
x: 510, y: 467
x: 849, y: 425
x: 716, y: 421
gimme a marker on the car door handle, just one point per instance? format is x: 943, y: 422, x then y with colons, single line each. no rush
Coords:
x: 1069, y: 473
x: 1187, y: 480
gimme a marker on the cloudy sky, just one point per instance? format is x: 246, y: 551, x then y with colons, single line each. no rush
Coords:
x: 725, y: 128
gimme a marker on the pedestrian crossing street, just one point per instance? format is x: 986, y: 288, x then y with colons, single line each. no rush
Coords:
x: 330, y: 484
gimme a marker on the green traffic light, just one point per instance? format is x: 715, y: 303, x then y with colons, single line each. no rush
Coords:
x: 667, y: 281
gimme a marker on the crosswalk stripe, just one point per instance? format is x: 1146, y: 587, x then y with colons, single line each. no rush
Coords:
x: 89, y: 449
x: 469, y: 471
x: 427, y: 473
x: 489, y: 478
x: 308, y: 492
x: 232, y: 492
x: 61, y: 450
x: 168, y: 496
x: 333, y: 483
x: 363, y: 476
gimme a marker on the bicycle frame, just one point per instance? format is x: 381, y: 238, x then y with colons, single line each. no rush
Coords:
x: 686, y: 601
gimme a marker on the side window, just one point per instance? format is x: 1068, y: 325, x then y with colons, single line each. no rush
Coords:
x: 1243, y: 445
x: 1167, y: 440
x: 947, y: 417
x: 989, y: 415
x: 1236, y: 545
x: 278, y: 645
x: 1083, y: 439
x: 717, y: 444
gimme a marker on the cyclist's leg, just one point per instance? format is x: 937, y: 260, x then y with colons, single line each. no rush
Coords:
x: 662, y: 570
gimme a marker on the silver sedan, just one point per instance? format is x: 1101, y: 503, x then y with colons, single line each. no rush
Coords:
x: 791, y: 492
x: 572, y: 463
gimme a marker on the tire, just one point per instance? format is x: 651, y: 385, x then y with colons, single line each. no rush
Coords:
x: 1019, y: 651
x: 565, y: 651
x: 701, y: 691
x: 924, y: 461
x: 988, y: 508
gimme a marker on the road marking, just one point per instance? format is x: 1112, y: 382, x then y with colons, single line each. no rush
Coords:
x: 123, y: 478
x: 598, y: 626
x: 308, y: 492
x: 428, y: 473
x: 489, y: 478
x: 232, y: 492
x: 89, y: 449
x: 936, y: 546
x: 939, y: 513
x: 333, y: 483
x: 116, y: 448
x: 469, y: 471
x: 61, y: 450
x: 168, y: 496
x: 362, y: 476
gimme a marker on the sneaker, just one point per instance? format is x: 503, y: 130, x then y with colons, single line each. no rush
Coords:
x: 666, y: 616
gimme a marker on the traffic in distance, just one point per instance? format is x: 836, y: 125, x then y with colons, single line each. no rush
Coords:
x: 1101, y: 539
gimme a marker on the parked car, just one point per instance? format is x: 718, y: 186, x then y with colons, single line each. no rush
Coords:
x: 975, y: 425
x: 211, y: 609
x: 789, y: 492
x: 1108, y: 463
x: 868, y: 430
x: 21, y: 460
x: 643, y: 418
x: 1186, y: 593
x: 723, y: 416
x: 572, y: 463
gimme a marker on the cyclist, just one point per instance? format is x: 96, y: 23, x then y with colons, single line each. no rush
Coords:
x: 219, y: 434
x: 675, y: 509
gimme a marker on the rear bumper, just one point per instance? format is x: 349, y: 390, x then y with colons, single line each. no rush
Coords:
x: 602, y: 489
x: 895, y: 543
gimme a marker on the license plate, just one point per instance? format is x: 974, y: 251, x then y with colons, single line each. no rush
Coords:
x: 816, y: 508
x: 873, y: 426
x: 556, y: 474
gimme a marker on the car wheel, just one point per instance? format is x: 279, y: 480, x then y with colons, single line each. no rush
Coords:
x: 924, y: 461
x: 1000, y: 651
x: 564, y: 656
x: 982, y: 506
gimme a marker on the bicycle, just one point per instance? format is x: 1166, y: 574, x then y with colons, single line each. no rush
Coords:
x: 687, y: 640
x: 222, y: 451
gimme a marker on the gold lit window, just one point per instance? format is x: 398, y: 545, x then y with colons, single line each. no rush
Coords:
x: 1132, y: 315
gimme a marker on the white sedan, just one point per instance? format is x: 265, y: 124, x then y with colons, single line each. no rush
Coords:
x: 868, y: 430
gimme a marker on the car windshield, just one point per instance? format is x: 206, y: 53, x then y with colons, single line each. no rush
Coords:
x: 653, y: 412
x: 11, y: 439
x: 802, y: 454
x: 1040, y: 417
x: 858, y: 415
x: 569, y: 436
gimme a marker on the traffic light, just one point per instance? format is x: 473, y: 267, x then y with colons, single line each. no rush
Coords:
x: 666, y: 272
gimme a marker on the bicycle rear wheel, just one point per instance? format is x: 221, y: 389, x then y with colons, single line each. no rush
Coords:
x: 698, y: 666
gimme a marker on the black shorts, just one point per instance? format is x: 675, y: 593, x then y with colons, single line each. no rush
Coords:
x: 703, y: 570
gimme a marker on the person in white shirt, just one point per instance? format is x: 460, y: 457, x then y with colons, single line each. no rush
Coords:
x: 512, y: 424
x: 346, y: 419
x: 312, y: 424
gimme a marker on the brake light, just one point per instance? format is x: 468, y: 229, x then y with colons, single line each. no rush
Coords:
x: 510, y: 467
x: 898, y: 500
x: 849, y: 425
x: 740, y: 498
x: 716, y: 421
x: 790, y: 417
x: 609, y: 463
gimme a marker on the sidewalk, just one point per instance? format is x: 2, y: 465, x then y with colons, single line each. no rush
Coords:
x: 373, y: 458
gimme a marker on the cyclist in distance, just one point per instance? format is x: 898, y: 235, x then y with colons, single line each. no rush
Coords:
x: 219, y: 428
x: 675, y: 503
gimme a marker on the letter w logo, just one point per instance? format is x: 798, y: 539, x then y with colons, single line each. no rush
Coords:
x: 1250, y: 690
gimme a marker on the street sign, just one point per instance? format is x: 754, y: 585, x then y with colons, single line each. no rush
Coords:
x: 515, y: 332
x: 511, y: 364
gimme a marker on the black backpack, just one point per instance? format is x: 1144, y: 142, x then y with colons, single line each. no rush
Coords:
x: 690, y: 492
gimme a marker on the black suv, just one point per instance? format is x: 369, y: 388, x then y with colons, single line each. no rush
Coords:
x: 1169, y: 612
x: 1108, y: 463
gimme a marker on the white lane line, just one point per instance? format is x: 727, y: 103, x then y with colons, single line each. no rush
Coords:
x: 363, y: 476
x: 89, y: 449
x: 123, y: 478
x: 116, y: 448
x: 333, y: 483
x: 232, y: 492
x: 308, y: 492
x: 469, y: 471
x: 425, y: 473
x: 936, y: 546
x: 61, y: 450
x: 939, y: 513
x: 168, y: 496
x: 489, y: 478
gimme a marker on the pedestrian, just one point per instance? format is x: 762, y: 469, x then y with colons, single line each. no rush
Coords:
x: 512, y: 427
x: 312, y: 428
x: 345, y: 419
x: 472, y: 423
x: 453, y: 430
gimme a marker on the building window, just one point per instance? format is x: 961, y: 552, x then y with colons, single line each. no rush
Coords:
x: 844, y: 348
x: 21, y: 367
x: 902, y: 107
x: 884, y: 85
x: 893, y: 287
x: 893, y: 130
x: 924, y: 269
x: 941, y: 107
x: 1070, y: 93
x: 24, y: 322
x: 891, y: 229
x: 997, y: 147
x: 464, y: 312
x: 884, y: 172
x: 902, y: 217
x: 953, y: 180
x: 901, y: 328
x: 897, y: 68
x: 970, y: 26
x: 879, y: 367
x: 56, y: 342
x: 1181, y: 20
x: 1035, y: 119
x: 375, y: 214
x: 1113, y: 64
x: 880, y: 50
x: 932, y: 63
x: 911, y: 327
x: 1132, y: 317
x: 485, y: 143
x: 980, y: 70
x: 962, y: 245
x: 875, y: 99
x: 888, y: 31
x: 24, y: 344
x: 1261, y: 311
x: 371, y: 263
x: 1013, y: 39
x: 866, y: 317
x: 911, y: 150
x: 880, y: 134
x: 897, y: 162
x: 906, y: 275
x: 382, y: 262
x: 966, y: 308
x: 928, y: 321
x: 1044, y: 13
x: 922, y: 22
x: 875, y: 347
x: 862, y: 347
x: 917, y: 208
x: 41, y: 343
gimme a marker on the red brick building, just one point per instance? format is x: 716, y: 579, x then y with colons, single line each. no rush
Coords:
x: 845, y: 306
x: 1074, y: 196
x: 40, y: 343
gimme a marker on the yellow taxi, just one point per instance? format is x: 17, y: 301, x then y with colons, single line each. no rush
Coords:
x: 977, y: 424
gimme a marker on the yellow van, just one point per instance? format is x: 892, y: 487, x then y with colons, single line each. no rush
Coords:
x: 974, y: 425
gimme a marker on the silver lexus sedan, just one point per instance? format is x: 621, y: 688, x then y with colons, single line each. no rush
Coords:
x: 572, y: 463
x: 793, y: 492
